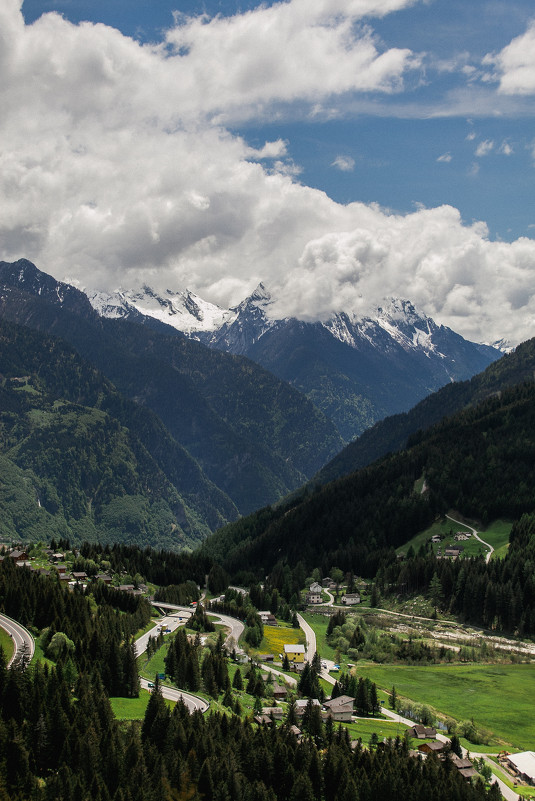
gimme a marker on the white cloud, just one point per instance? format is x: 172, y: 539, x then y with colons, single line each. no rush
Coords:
x: 514, y: 66
x: 270, y: 150
x: 445, y: 157
x: 484, y: 148
x: 112, y: 173
x: 344, y: 163
x: 506, y: 149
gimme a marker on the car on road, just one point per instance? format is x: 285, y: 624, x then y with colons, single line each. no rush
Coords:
x: 150, y: 685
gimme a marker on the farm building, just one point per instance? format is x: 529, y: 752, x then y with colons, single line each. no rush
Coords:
x: 524, y: 765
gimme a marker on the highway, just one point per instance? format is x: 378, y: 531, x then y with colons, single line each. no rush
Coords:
x: 22, y: 639
x: 172, y: 622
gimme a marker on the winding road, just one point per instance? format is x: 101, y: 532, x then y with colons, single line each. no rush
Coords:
x: 22, y: 639
x: 476, y: 535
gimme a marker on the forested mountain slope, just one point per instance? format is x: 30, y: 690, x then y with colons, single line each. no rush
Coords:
x: 392, y: 433
x: 79, y: 460
x: 480, y: 461
x: 253, y: 435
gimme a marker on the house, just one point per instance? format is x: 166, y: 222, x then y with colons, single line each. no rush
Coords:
x: 266, y: 657
x: 436, y: 538
x: 460, y: 763
x: 295, y: 653
x: 19, y: 556
x: 422, y: 732
x: 62, y: 569
x: 295, y: 730
x: 268, y: 618
x: 431, y: 748
x: 460, y: 536
x: 453, y: 551
x: 351, y: 598
x: 301, y: 705
x: 273, y: 712
x: 79, y: 575
x: 279, y: 692
x: 523, y: 765
x: 340, y: 708
x: 314, y: 594
x: 105, y: 577
x: 327, y: 581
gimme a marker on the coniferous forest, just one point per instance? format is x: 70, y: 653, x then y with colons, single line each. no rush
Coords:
x: 59, y: 739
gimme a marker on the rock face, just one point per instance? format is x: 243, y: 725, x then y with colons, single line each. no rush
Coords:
x: 356, y: 370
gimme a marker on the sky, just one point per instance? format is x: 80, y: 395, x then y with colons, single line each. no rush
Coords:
x: 340, y: 151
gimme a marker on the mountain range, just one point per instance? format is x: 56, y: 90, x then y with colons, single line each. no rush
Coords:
x: 478, y: 460
x: 252, y: 435
x: 356, y: 370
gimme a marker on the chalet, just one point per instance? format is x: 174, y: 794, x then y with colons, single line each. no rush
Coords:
x: 461, y: 763
x: 295, y: 653
x: 314, y: 594
x: 523, y: 766
x: 125, y: 587
x: 431, y: 748
x: 79, y: 575
x: 327, y: 581
x: 62, y: 569
x: 105, y: 577
x: 453, y: 551
x: 436, y: 538
x: 268, y: 618
x: 19, y: 556
x: 351, y: 598
x: 279, y: 692
x: 461, y: 536
x: 266, y: 657
x: 273, y: 712
x: 422, y: 732
x: 301, y: 705
x: 295, y: 730
x: 340, y: 708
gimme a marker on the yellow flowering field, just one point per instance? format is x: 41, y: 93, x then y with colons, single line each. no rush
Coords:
x: 276, y: 637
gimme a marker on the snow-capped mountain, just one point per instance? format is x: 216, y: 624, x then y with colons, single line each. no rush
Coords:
x: 356, y: 369
x: 184, y: 310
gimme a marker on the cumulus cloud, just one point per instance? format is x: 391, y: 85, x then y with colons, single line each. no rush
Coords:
x: 506, y: 149
x: 115, y: 168
x: 484, y: 148
x: 344, y: 163
x: 514, y: 66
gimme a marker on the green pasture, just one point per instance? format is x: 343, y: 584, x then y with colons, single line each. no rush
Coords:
x: 133, y: 708
x: 495, y: 696
x: 7, y: 644
x: 496, y: 534
x: 383, y: 728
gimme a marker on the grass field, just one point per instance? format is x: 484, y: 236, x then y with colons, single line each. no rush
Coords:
x: 7, y: 644
x: 276, y: 637
x: 148, y: 669
x: 495, y: 696
x: 133, y: 708
x: 497, y: 535
x: 383, y: 728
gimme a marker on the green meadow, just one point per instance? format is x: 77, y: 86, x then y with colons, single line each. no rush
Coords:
x: 497, y: 697
x: 7, y: 644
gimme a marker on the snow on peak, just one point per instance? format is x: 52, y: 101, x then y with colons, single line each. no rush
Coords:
x: 183, y: 310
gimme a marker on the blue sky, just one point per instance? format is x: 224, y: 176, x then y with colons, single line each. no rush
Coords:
x: 338, y: 150
x: 392, y: 157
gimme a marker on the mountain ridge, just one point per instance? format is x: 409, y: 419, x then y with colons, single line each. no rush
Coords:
x: 355, y: 369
